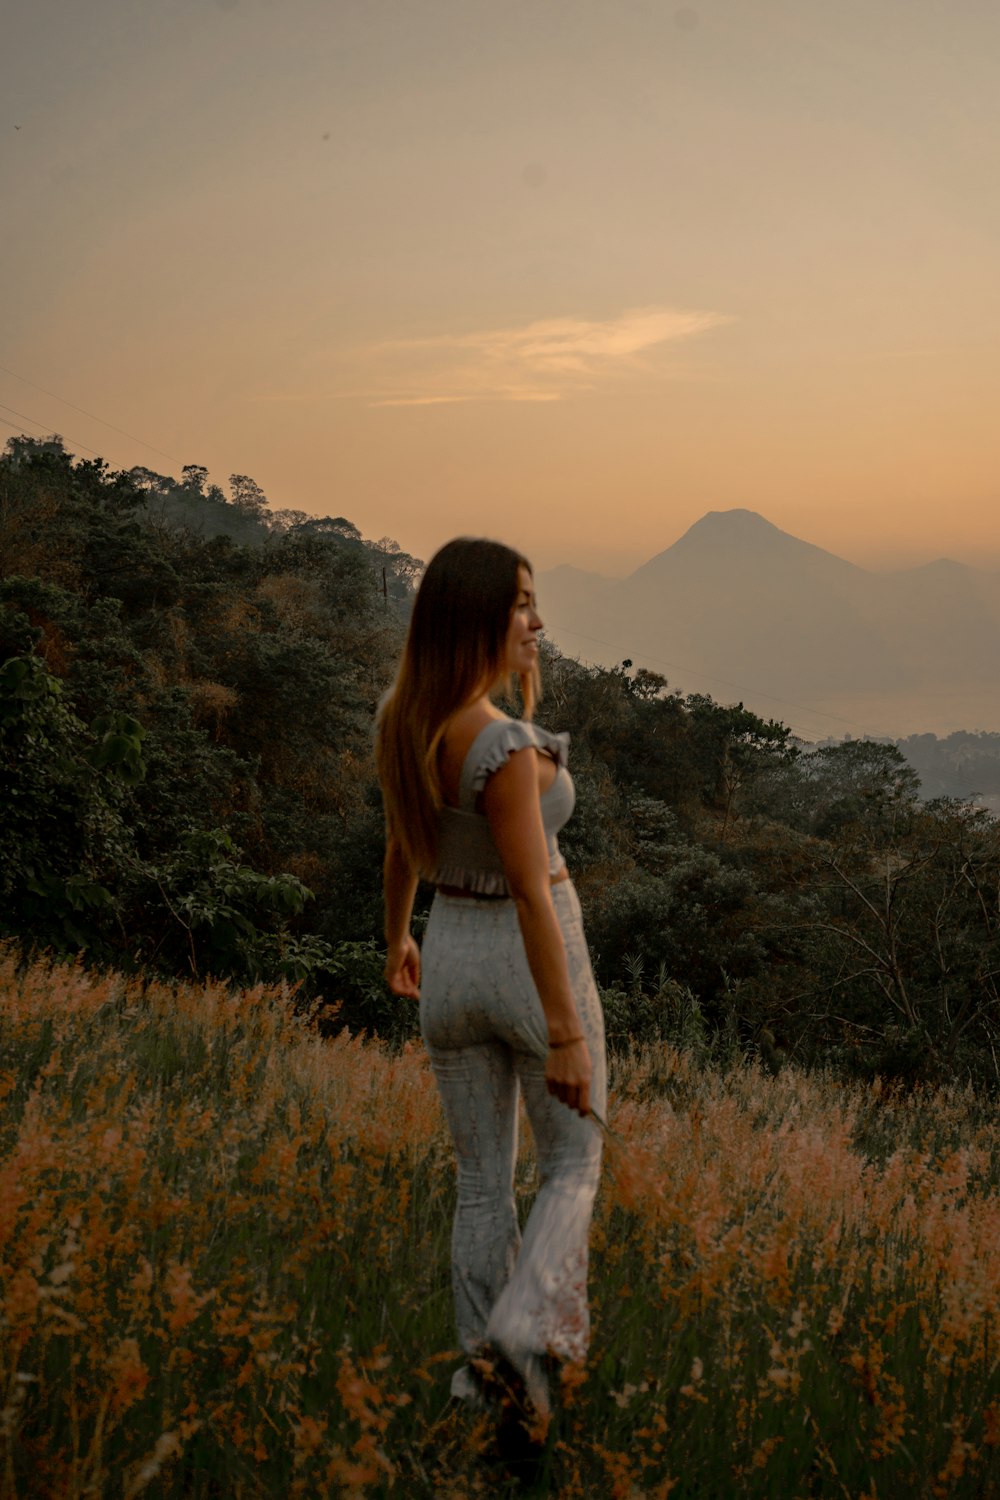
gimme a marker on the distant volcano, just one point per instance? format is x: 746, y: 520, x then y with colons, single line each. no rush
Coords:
x: 744, y: 611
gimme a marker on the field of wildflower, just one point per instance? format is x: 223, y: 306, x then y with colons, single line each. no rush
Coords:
x: 224, y: 1270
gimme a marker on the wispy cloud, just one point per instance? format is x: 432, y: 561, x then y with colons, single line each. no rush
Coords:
x: 546, y: 360
x: 511, y: 394
x: 420, y: 400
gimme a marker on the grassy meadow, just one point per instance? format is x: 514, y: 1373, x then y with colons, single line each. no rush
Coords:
x: 224, y: 1270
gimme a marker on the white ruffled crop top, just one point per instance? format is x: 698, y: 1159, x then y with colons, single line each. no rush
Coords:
x: 467, y: 857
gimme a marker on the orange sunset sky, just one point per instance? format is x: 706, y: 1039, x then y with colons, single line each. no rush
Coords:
x: 571, y: 272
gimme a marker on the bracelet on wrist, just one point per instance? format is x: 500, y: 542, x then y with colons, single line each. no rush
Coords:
x: 553, y: 1046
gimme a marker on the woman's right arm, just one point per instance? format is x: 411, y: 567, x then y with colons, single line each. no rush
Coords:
x: 402, y: 964
x: 512, y: 805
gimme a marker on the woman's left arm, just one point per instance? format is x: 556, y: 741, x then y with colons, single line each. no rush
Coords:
x: 402, y: 964
x: 511, y: 799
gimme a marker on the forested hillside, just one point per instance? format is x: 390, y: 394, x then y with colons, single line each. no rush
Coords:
x: 187, y: 712
x: 187, y: 686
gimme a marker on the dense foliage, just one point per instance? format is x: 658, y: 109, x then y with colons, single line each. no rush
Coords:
x: 187, y: 687
x: 185, y: 720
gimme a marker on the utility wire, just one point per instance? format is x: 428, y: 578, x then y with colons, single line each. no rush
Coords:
x: 42, y: 427
x: 92, y: 415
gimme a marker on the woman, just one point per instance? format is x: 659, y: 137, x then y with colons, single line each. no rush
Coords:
x: 474, y: 801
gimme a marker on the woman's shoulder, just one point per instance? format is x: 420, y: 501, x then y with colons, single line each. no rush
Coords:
x: 519, y: 734
x: 497, y: 741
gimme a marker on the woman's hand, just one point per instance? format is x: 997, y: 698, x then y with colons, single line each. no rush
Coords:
x: 402, y: 964
x: 567, y: 1074
x: 402, y: 969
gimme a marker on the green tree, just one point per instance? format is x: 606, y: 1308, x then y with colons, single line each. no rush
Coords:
x: 735, y: 749
x: 910, y: 945
x: 64, y: 835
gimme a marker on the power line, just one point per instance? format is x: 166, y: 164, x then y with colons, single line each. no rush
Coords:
x: 42, y: 427
x: 92, y: 415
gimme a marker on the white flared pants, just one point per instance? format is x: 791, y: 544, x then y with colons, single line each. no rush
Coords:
x: 486, y: 1035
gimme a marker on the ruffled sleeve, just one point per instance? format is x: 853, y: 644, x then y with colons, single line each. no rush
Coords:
x: 498, y: 742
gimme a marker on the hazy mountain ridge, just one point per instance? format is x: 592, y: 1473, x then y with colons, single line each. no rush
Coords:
x: 740, y: 609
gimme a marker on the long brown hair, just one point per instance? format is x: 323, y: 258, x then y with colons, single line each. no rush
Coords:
x: 454, y: 651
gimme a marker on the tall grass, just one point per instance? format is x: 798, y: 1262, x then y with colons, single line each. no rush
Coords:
x: 224, y: 1271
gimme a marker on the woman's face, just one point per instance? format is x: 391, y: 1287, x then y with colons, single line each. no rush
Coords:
x: 525, y: 623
